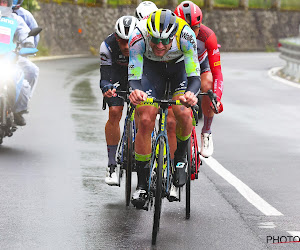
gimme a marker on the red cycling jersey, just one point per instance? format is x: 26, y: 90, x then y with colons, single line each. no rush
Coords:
x: 207, y: 41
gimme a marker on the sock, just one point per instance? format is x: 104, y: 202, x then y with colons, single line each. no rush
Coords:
x: 207, y: 124
x: 180, y: 153
x: 111, y: 151
x: 142, y: 168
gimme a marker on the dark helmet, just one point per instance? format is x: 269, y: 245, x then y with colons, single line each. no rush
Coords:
x: 17, y: 4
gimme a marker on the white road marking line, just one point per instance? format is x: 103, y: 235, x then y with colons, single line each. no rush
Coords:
x: 242, y: 188
x: 294, y: 233
x: 272, y: 74
x: 267, y: 225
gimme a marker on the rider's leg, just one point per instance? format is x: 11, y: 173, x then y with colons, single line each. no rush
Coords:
x: 183, y: 132
x: 171, y: 128
x: 22, y: 96
x: 31, y: 72
x: 206, y: 136
x: 143, y: 149
x: 112, y: 134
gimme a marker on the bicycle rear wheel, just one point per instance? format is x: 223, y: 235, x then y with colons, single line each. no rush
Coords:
x: 158, y: 190
x: 129, y: 158
x: 188, y: 181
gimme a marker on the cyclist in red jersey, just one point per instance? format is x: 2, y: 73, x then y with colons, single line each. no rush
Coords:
x: 211, y: 74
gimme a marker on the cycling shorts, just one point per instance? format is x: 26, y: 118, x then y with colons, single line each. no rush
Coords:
x: 157, y: 74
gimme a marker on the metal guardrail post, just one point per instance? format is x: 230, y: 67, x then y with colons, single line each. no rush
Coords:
x: 290, y: 52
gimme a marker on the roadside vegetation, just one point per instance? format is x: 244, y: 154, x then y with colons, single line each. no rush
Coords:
x: 253, y: 4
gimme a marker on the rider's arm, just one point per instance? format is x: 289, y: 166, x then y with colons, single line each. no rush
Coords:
x: 105, y: 67
x: 135, y: 65
x: 30, y: 21
x: 22, y: 32
x: 188, y: 46
x: 211, y: 45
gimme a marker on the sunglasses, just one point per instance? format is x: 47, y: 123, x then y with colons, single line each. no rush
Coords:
x: 163, y: 41
x: 122, y: 41
x: 195, y: 26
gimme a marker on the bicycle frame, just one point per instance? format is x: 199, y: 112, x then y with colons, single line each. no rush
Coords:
x: 163, y: 112
x: 129, y: 115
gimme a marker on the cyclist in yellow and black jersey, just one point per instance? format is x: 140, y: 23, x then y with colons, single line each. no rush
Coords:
x: 162, y: 49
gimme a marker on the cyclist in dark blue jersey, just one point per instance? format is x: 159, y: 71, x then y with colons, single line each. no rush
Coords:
x: 114, y: 54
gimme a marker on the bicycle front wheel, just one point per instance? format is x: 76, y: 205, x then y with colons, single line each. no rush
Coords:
x: 158, y: 190
x: 188, y: 181
x: 129, y: 158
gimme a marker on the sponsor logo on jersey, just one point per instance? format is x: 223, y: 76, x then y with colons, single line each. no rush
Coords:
x: 103, y: 56
x: 218, y: 63
x: 215, y: 51
x: 190, y: 39
x: 5, y: 20
x: 135, y: 39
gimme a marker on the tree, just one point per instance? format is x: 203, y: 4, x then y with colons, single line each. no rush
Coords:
x: 31, y: 5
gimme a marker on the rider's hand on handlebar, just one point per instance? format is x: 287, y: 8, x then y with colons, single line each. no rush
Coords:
x: 137, y: 96
x: 219, y: 106
x: 110, y: 93
x: 188, y: 99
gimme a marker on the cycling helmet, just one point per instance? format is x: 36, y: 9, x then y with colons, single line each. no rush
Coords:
x: 162, y: 24
x: 125, y: 26
x: 190, y: 12
x: 5, y: 7
x: 17, y: 4
x: 144, y: 10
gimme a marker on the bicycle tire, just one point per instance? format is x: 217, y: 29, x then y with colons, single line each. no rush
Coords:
x: 129, y: 158
x: 158, y: 191
x: 188, y: 181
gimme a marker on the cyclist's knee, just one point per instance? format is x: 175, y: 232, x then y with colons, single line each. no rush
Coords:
x: 171, y: 125
x: 115, y: 113
x: 206, y: 81
x: 183, y: 114
x: 147, y: 119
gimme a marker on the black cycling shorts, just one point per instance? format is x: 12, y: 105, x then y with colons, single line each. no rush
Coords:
x: 157, y: 74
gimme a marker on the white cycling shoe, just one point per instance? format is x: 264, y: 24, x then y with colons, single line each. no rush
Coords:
x: 174, y: 194
x: 207, y: 146
x: 112, y: 178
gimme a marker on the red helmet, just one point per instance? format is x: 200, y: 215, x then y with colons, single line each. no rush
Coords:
x: 190, y: 12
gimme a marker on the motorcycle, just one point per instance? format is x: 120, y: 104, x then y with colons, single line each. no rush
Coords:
x: 7, y: 89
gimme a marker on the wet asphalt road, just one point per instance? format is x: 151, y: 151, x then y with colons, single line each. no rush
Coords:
x: 53, y: 194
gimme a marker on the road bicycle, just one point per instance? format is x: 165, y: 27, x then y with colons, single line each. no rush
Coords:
x: 125, y: 151
x: 161, y: 169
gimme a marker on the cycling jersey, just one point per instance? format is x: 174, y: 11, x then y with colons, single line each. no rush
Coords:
x: 113, y: 68
x: 183, y: 48
x: 13, y: 29
x: 207, y: 46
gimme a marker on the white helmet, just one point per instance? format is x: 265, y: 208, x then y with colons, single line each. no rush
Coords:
x: 144, y: 10
x: 125, y: 26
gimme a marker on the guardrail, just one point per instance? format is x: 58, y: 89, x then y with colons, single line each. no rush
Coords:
x: 290, y: 52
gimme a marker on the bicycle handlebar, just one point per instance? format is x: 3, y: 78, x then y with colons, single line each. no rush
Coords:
x: 213, y: 97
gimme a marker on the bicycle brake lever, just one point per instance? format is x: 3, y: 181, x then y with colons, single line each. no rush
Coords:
x: 104, y: 104
x: 195, y: 110
x: 213, y: 98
